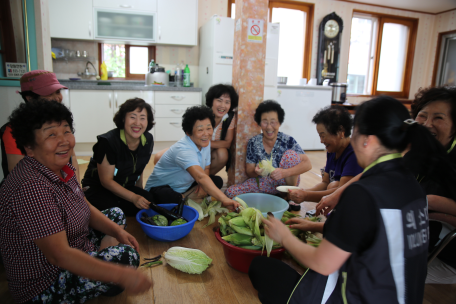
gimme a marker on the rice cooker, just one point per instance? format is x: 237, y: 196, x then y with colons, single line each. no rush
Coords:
x: 158, y: 77
x: 339, y: 91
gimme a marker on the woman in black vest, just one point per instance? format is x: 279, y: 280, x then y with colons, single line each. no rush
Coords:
x: 115, y: 172
x: 222, y: 99
x: 435, y: 108
x: 376, y: 239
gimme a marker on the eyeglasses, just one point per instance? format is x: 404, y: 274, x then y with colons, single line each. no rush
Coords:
x: 265, y: 123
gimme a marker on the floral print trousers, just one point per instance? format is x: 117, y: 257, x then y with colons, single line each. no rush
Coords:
x: 70, y: 288
x: 266, y: 184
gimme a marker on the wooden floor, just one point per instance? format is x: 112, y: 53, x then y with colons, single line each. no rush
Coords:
x: 220, y: 283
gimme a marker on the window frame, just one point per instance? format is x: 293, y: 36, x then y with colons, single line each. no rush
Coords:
x: 412, y: 23
x: 306, y: 7
x: 128, y: 75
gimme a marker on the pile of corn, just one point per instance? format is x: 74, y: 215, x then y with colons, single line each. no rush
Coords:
x: 245, y: 229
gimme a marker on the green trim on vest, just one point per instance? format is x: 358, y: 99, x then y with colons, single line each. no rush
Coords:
x: 382, y: 159
x: 124, y: 139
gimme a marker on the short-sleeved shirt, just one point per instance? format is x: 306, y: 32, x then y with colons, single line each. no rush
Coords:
x: 218, y: 129
x: 345, y: 165
x: 256, y: 152
x: 10, y: 142
x: 36, y: 203
x: 172, y: 167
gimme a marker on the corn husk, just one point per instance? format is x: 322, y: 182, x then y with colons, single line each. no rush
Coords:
x: 197, y: 207
x: 248, y: 215
x: 266, y: 167
x: 240, y: 201
x: 242, y: 230
x: 211, y: 220
x: 237, y: 221
x: 268, y: 242
x: 238, y: 239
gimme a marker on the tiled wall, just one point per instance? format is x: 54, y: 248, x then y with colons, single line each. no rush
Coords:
x: 70, y: 68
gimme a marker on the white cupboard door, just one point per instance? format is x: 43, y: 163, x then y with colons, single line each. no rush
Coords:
x: 71, y: 19
x: 177, y: 22
x: 92, y: 114
x: 136, y: 5
x: 168, y: 129
x: 120, y: 97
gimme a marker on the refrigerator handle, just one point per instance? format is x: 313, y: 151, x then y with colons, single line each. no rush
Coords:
x: 207, y: 70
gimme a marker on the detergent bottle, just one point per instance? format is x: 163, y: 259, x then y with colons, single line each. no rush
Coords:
x: 104, y: 71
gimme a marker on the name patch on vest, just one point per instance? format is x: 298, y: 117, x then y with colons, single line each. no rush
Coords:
x: 416, y: 229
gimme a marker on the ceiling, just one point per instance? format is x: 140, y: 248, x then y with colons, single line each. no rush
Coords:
x: 426, y: 6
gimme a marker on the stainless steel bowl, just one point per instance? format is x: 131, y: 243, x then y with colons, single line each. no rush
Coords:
x: 282, y: 80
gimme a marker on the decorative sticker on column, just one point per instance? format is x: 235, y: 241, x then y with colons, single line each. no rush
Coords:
x: 255, y: 30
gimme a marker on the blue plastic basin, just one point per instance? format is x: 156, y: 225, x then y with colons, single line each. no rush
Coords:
x: 266, y: 203
x: 168, y: 233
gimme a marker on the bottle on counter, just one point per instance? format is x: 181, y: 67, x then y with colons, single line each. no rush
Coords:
x: 178, y: 76
x: 152, y: 66
x: 186, y: 76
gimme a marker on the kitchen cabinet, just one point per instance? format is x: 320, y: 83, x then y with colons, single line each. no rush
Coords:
x: 71, y: 19
x: 93, y: 110
x: 124, y: 24
x: 136, y: 5
x: 169, y: 108
x: 177, y: 22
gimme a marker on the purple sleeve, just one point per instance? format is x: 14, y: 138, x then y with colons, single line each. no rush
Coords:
x: 351, y: 167
x: 327, y: 163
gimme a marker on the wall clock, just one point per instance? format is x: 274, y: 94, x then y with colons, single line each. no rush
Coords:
x: 330, y: 33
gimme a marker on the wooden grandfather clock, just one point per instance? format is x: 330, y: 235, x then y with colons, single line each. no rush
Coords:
x: 330, y: 33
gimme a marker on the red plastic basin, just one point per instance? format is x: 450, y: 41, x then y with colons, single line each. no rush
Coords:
x: 240, y: 258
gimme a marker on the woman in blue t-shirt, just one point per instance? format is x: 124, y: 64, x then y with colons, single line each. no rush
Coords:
x: 334, y: 126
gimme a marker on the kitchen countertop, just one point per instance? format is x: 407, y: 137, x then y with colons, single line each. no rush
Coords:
x: 121, y: 85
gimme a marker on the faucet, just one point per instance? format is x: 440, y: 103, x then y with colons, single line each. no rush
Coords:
x: 86, y: 72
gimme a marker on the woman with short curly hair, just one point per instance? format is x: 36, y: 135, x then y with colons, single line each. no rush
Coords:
x: 187, y: 163
x: 287, y: 156
x: 115, y: 172
x: 334, y: 125
x: 56, y: 247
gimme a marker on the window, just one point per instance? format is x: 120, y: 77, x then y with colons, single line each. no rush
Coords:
x: 126, y: 61
x: 295, y: 44
x: 381, y: 55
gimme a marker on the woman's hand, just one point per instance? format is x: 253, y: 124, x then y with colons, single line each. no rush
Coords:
x: 297, y: 196
x: 140, y: 202
x: 231, y: 204
x: 301, y: 224
x: 278, y: 174
x: 126, y: 238
x: 276, y: 230
x: 258, y: 171
x: 327, y: 203
x: 134, y: 281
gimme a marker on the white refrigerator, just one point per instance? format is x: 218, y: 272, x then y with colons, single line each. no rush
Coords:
x: 216, y: 55
x: 300, y: 104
